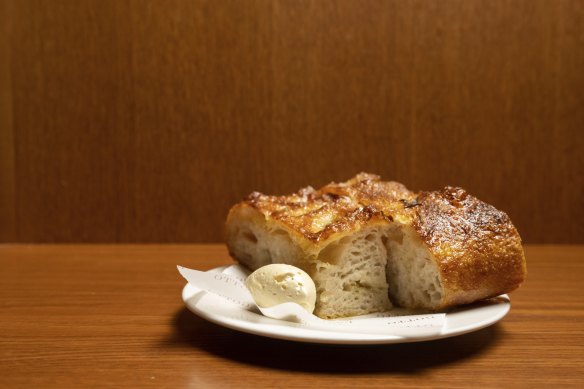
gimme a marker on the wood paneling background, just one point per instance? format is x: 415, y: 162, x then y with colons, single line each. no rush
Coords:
x: 143, y: 121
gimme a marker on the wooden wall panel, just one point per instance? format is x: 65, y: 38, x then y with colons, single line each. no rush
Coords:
x: 7, y: 168
x: 133, y: 121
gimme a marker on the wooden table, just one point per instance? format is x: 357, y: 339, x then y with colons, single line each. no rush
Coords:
x: 111, y: 315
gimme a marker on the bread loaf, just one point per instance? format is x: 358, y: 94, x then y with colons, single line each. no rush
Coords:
x: 369, y: 244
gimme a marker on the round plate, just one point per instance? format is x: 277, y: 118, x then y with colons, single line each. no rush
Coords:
x: 217, y: 310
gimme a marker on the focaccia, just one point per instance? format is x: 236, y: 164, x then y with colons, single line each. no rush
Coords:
x: 369, y: 244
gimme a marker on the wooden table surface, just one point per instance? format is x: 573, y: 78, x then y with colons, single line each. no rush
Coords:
x: 111, y: 315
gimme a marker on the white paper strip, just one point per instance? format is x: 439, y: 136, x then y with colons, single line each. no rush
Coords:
x: 228, y: 286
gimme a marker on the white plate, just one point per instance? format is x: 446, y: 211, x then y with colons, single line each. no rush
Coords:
x: 219, y: 311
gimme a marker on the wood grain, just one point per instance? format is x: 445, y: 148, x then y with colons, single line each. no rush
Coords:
x: 7, y: 168
x: 99, y: 315
x: 132, y: 121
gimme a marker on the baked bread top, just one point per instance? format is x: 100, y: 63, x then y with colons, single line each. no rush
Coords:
x: 315, y: 217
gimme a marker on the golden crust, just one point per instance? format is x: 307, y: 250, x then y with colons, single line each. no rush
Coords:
x: 337, y: 208
x: 476, y: 247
